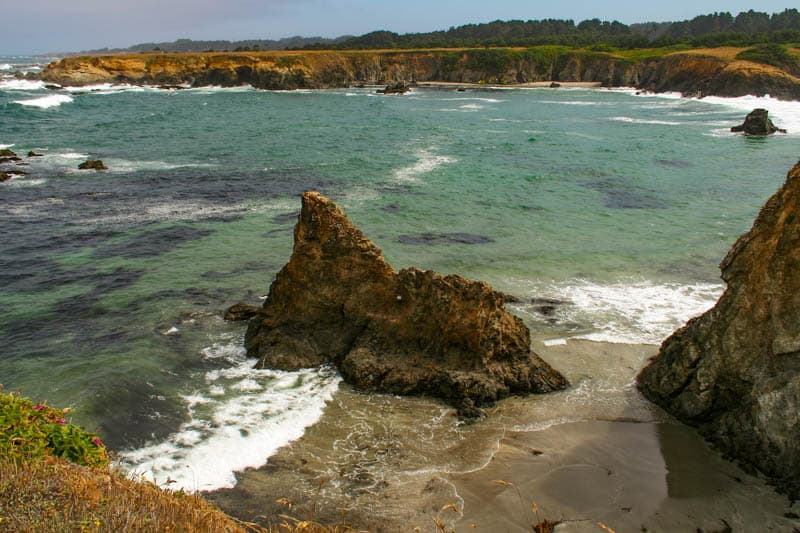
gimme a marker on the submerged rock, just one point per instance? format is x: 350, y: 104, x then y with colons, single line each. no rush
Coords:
x: 92, y: 164
x: 241, y: 312
x: 413, y: 332
x: 34, y: 154
x: 5, y: 152
x: 735, y: 371
x: 4, y: 176
x: 757, y: 122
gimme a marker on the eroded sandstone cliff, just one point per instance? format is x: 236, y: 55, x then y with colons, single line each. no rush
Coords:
x: 734, y: 372
x: 414, y: 332
x: 694, y: 73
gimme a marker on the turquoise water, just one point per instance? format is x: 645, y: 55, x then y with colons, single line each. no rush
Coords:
x: 112, y: 283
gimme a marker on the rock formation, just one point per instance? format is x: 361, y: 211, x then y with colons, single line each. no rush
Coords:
x: 240, y: 312
x: 413, y: 332
x: 92, y: 164
x: 400, y: 87
x: 734, y: 372
x: 697, y: 73
x: 757, y: 122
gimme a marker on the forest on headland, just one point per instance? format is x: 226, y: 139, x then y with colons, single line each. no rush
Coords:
x: 711, y: 30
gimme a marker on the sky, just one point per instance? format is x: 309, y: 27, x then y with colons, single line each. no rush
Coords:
x: 42, y: 26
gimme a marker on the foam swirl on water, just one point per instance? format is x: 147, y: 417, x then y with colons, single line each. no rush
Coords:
x: 238, y: 417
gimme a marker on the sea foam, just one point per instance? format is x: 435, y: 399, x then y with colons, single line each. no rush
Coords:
x: 21, y: 85
x: 628, y: 312
x: 46, y: 102
x: 427, y: 162
x: 238, y: 418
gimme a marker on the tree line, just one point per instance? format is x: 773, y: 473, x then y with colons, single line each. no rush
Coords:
x: 716, y: 29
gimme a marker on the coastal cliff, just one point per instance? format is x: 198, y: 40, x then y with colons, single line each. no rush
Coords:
x: 338, y: 301
x: 734, y: 372
x: 697, y: 73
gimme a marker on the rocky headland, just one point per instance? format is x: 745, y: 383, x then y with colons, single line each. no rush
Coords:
x: 734, y: 372
x: 696, y: 73
x: 411, y: 332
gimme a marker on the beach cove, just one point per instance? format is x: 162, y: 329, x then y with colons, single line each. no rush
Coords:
x: 614, y: 206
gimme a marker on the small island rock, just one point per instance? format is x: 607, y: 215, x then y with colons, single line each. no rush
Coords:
x: 34, y: 154
x: 338, y: 301
x: 734, y: 372
x: 92, y: 164
x: 400, y: 87
x: 5, y: 152
x: 758, y: 123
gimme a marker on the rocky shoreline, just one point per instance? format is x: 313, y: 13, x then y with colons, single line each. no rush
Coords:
x: 693, y: 73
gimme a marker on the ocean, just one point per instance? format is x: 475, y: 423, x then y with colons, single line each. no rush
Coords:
x: 616, y: 206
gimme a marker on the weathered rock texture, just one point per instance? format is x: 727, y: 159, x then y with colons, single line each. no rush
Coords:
x: 413, y: 332
x: 757, y: 122
x: 92, y: 164
x: 735, y: 371
x: 696, y: 73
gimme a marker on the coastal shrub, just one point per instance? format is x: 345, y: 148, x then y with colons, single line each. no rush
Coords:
x: 773, y: 54
x: 33, y: 431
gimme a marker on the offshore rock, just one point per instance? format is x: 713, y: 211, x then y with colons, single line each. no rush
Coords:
x: 241, y: 312
x: 734, y: 372
x: 396, y: 88
x: 338, y: 301
x: 5, y: 152
x: 757, y: 122
x: 92, y: 164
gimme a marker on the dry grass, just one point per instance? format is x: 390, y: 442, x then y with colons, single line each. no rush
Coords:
x: 53, y: 495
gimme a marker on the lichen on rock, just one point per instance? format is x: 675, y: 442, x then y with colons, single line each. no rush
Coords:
x: 734, y: 372
x: 338, y: 301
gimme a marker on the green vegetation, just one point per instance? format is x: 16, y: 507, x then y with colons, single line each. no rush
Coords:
x: 717, y: 29
x: 771, y: 54
x: 55, y: 477
x: 34, y: 431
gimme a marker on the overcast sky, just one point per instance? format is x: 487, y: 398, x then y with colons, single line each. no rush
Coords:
x: 38, y: 26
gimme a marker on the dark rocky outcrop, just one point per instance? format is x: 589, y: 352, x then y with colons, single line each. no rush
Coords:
x: 5, y: 152
x: 241, y: 312
x: 757, y: 122
x: 400, y: 87
x: 4, y: 176
x: 34, y: 154
x: 734, y: 372
x: 92, y: 164
x: 413, y: 332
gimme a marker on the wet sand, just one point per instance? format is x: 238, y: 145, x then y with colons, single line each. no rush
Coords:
x: 595, y: 453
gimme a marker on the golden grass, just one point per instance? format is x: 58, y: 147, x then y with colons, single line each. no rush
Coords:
x: 53, y: 495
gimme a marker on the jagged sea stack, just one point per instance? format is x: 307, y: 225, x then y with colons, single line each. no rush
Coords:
x: 734, y: 372
x: 337, y: 300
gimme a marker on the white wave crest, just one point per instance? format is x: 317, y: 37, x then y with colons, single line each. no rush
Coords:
x: 427, y: 162
x: 46, y: 102
x: 631, y: 120
x: 634, y: 312
x: 5, y: 66
x: 239, y: 417
x: 21, y: 85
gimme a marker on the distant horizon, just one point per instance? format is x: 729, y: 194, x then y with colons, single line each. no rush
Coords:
x: 38, y: 27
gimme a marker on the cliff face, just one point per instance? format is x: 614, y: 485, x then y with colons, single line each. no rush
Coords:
x: 690, y: 73
x: 735, y: 371
x: 338, y: 301
x: 694, y: 74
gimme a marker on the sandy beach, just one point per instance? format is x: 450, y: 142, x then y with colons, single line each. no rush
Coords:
x: 531, y: 85
x: 595, y: 453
